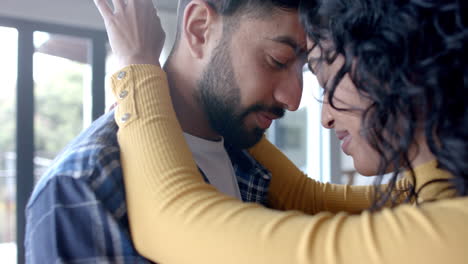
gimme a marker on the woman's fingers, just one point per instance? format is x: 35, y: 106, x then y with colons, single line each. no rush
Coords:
x: 103, y: 8
x: 134, y: 30
x: 119, y: 5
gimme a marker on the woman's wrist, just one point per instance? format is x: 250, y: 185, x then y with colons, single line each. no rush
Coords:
x: 132, y: 60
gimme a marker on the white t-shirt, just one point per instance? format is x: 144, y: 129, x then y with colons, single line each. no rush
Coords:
x: 213, y: 159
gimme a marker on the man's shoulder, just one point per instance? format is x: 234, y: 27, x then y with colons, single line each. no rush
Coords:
x: 82, y: 195
x: 90, y: 160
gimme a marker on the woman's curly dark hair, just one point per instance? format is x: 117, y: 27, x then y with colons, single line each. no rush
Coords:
x: 409, y: 58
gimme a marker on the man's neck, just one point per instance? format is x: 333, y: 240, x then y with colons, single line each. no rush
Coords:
x: 190, y: 114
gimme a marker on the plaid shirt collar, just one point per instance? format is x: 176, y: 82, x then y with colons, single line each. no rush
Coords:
x: 252, y: 177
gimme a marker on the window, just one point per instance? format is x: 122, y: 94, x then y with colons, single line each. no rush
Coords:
x: 8, y: 68
x: 300, y: 135
x: 61, y: 77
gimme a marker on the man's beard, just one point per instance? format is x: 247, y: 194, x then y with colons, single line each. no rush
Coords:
x: 218, y: 93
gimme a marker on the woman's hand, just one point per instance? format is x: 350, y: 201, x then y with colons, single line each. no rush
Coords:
x: 134, y: 30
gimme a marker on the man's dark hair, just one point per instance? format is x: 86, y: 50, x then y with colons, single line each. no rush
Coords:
x: 232, y: 7
x: 235, y: 8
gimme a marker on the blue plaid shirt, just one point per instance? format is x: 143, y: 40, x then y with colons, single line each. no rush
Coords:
x: 77, y: 212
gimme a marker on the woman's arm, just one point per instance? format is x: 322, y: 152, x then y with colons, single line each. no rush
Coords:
x: 291, y: 189
x: 176, y: 218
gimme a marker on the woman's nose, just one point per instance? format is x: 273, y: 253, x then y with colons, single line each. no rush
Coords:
x: 327, y: 119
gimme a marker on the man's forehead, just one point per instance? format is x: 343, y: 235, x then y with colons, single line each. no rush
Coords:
x: 285, y: 29
x: 298, y: 45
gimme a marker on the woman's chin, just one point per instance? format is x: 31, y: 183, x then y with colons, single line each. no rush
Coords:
x: 364, y: 168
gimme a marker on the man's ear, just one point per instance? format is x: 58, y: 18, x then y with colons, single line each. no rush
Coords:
x: 198, y: 26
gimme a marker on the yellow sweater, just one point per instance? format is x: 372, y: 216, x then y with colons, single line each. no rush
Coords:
x: 176, y: 218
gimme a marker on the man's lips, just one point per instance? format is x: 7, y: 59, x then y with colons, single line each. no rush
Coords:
x: 264, y: 119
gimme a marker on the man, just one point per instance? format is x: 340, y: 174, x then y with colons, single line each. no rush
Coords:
x: 236, y: 66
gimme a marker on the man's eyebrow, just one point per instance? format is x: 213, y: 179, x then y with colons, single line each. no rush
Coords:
x: 291, y: 42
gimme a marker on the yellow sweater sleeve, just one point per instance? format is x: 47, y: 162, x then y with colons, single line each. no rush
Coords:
x: 176, y: 218
x: 291, y: 189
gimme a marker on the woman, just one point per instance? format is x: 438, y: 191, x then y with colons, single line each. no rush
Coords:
x: 393, y: 75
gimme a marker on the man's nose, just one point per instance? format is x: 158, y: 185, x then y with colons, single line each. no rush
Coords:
x: 289, y: 91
